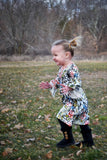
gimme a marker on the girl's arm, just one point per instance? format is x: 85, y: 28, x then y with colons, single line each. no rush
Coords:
x: 53, y: 85
x: 72, y: 82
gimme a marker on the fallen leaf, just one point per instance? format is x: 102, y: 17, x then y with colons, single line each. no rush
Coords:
x: 13, y: 102
x: 27, y: 145
x: 96, y: 136
x: 37, y: 99
x: 15, y: 149
x: 37, y: 120
x: 93, y: 147
x: 47, y: 118
x: 2, y: 142
x: 70, y: 155
x: 30, y: 139
x: 7, y: 151
x: 29, y: 158
x: 96, y: 121
x: 18, y: 141
x: 1, y: 103
x: 49, y: 126
x: 103, y: 98
x: 42, y: 131
x: 28, y: 131
x: 20, y: 158
x: 25, y: 114
x: 78, y: 152
x: 49, y: 155
x: 81, y: 145
x: 72, y: 146
x: 53, y: 139
x: 5, y: 110
x: 1, y: 91
x: 10, y: 142
x: 47, y: 146
x: 39, y: 116
x: 18, y: 126
x: 63, y: 158
x: 41, y: 107
x: 101, y: 106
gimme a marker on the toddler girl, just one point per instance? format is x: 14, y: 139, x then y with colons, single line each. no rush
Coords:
x: 75, y: 105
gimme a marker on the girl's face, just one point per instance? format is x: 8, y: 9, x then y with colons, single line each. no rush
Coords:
x: 59, y: 55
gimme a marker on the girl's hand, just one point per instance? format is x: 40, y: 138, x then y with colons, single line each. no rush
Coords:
x: 65, y: 89
x: 45, y: 85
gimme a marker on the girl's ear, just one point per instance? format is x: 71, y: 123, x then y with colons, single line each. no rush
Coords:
x: 68, y: 54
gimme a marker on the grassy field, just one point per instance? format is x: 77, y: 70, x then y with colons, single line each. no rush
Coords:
x: 28, y: 126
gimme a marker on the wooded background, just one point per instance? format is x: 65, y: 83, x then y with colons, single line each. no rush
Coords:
x: 29, y: 27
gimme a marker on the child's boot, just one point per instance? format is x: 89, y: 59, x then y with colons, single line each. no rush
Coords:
x: 87, y: 137
x: 67, y: 140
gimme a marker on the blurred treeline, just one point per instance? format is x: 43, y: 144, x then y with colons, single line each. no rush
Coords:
x: 30, y: 26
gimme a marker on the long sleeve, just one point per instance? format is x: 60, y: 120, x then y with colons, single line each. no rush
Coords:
x: 71, y: 78
x: 55, y: 84
x: 74, y: 81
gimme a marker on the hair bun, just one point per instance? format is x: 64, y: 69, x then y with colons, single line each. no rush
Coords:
x: 76, y: 42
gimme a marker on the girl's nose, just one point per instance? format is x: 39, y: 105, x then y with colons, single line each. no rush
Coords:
x: 53, y: 58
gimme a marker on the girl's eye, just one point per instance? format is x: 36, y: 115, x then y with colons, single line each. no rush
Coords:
x: 54, y: 54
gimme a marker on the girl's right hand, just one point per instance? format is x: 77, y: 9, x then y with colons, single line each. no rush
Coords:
x: 45, y: 85
x: 65, y: 89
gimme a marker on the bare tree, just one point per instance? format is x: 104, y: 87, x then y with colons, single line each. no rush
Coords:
x: 29, y: 24
x: 32, y: 25
x: 93, y: 16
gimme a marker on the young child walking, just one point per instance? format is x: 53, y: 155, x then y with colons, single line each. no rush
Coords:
x: 75, y: 105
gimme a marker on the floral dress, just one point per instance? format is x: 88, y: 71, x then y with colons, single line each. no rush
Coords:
x: 75, y: 104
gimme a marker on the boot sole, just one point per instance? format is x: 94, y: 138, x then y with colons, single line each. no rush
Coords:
x: 63, y: 146
x: 82, y: 144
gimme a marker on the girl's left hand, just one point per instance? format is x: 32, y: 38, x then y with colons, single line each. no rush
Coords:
x: 45, y: 85
x: 65, y: 89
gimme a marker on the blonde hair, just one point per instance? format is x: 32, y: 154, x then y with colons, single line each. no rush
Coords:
x: 69, y: 45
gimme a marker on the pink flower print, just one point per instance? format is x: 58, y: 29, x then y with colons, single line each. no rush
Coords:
x: 71, y: 113
x: 83, y: 116
x: 69, y: 124
x: 68, y: 104
x: 87, y: 122
x: 54, y: 82
x: 60, y: 74
x: 75, y: 67
x: 71, y: 74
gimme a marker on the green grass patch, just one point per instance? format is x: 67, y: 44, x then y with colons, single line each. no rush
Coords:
x: 25, y: 133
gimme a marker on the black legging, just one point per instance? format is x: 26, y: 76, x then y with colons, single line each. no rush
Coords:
x: 65, y: 127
